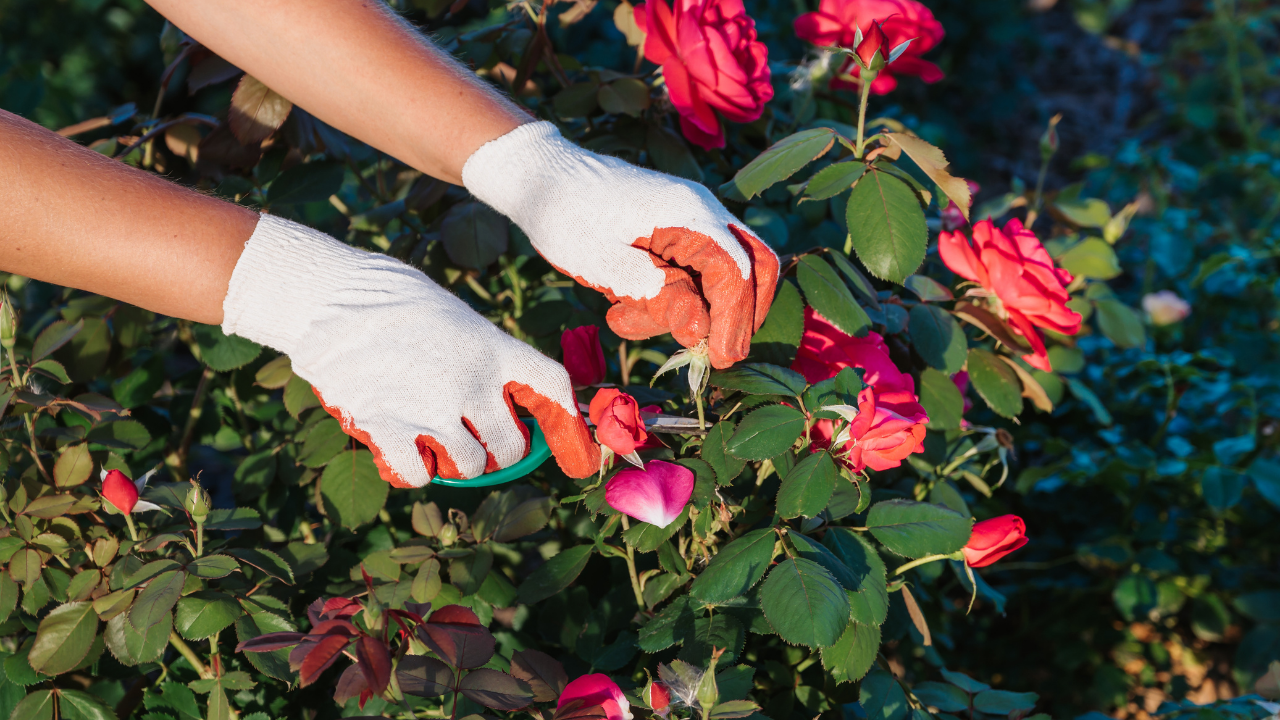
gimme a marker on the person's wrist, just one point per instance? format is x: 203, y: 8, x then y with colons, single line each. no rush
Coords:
x: 511, y: 173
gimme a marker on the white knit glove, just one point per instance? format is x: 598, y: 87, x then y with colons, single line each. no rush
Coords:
x: 409, y: 369
x: 636, y: 235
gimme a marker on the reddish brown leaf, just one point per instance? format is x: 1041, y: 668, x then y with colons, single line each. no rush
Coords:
x: 375, y: 663
x: 256, y: 111
x: 496, y: 689
x: 270, y: 641
x: 456, y: 614
x: 321, y: 657
x: 350, y: 685
x: 462, y: 646
x: 579, y: 710
x: 544, y: 673
x: 332, y: 627
x: 208, y: 69
x: 986, y: 321
x: 424, y: 676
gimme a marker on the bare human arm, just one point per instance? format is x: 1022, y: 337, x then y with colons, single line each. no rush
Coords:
x: 358, y: 67
x: 72, y: 217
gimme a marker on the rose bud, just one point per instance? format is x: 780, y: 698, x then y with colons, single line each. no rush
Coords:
x: 583, y: 356
x: 993, y: 539
x: 657, y: 697
x: 1165, y: 307
x: 120, y: 492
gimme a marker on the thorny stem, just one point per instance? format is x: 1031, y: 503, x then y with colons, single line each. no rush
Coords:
x: 185, y: 651
x: 631, y: 565
x: 867, y: 79
x: 29, y: 419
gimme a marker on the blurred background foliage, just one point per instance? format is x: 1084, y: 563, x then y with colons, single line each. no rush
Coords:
x: 1151, y: 492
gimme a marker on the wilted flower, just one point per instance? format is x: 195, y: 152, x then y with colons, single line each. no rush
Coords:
x: 656, y: 495
x: 121, y: 493
x: 597, y: 689
x: 711, y: 62
x: 890, y: 422
x: 583, y: 356
x: 1165, y: 307
x: 1020, y: 279
x: 993, y: 539
x: 842, y: 23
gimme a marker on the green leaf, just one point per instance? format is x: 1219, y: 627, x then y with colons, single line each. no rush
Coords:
x: 830, y: 297
x: 1088, y: 212
x: 309, y: 182
x: 759, y: 379
x: 203, y: 614
x: 736, y: 568
x: 77, y: 705
x: 1092, y: 258
x: 133, y: 647
x: 85, y: 356
x: 36, y: 706
x: 834, y: 179
x: 233, y: 519
x: 474, y: 235
x: 53, y: 368
x: 212, y: 567
x: 842, y: 389
x: 157, y: 599
x: 917, y: 529
x: 852, y: 655
x: 64, y: 638
x: 941, y: 400
x: 808, y: 486
x: 927, y: 289
x: 468, y: 573
x: 674, y: 624
x: 121, y: 434
x: 715, y: 453
x: 668, y: 151
x: 869, y: 604
x: 861, y: 284
x: 353, y: 491
x: 1003, y: 702
x: 645, y: 537
x: 325, y: 440
x: 58, y: 333
x: 266, y: 562
x: 996, y: 382
x: 721, y: 631
x: 882, y: 697
x: 782, y: 160
x: 139, y: 386
x: 222, y: 352
x: 887, y: 226
x: 766, y: 432
x: 73, y: 466
x: 299, y: 396
x: 946, y: 698
x: 8, y: 596
x: 804, y: 604
x: 276, y: 662
x: 556, y: 574
x: 1120, y: 323
x: 1221, y: 487
x: 938, y: 338
x: 778, y: 338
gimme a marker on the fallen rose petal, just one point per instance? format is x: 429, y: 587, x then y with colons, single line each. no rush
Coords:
x: 656, y: 495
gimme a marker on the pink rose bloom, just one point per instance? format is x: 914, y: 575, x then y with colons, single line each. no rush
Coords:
x: 597, y: 689
x: 711, y: 62
x: 656, y: 495
x: 1024, y: 285
x: 891, y: 422
x: 836, y: 23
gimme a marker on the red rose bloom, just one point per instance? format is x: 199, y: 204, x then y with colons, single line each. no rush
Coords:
x: 890, y: 422
x: 120, y: 491
x: 993, y: 539
x: 711, y: 62
x: 836, y: 23
x: 583, y: 356
x: 1015, y: 270
x: 617, y: 419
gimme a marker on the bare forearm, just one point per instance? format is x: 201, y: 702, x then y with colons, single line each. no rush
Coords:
x: 73, y: 217
x: 354, y: 65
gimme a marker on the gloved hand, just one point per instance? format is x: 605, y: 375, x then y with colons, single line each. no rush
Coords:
x: 654, y: 244
x: 409, y: 369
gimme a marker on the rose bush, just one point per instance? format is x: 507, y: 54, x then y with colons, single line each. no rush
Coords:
x: 949, y: 373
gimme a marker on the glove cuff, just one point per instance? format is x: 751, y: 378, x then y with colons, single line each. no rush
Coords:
x: 508, y: 172
x: 280, y: 280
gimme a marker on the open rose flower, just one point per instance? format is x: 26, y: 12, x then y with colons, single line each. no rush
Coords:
x: 993, y: 539
x: 123, y: 493
x: 837, y: 22
x: 656, y: 495
x: 711, y: 63
x: 1019, y: 279
x: 583, y: 356
x: 597, y: 689
x: 890, y: 424
x: 1165, y: 307
x: 616, y: 416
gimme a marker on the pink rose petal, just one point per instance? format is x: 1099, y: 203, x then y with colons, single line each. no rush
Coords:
x: 656, y: 495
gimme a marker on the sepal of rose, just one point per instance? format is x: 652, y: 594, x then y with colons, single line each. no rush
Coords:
x: 699, y: 361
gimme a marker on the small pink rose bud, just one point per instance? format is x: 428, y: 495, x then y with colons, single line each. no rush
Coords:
x: 1165, y: 307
